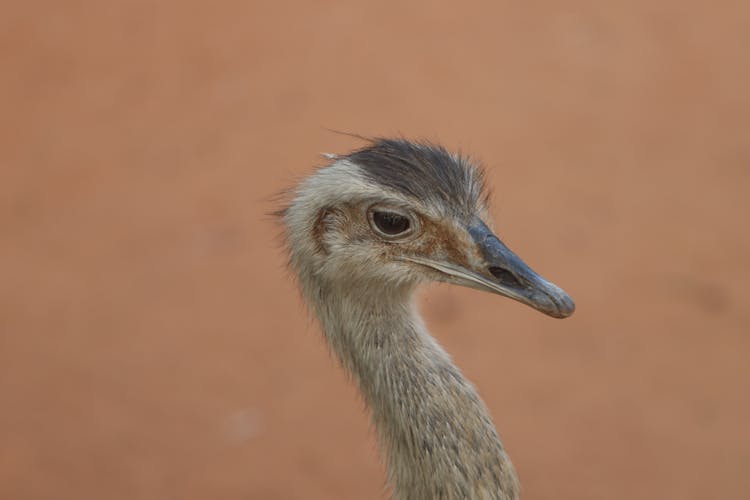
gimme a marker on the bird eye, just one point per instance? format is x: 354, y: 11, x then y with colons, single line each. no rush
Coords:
x: 390, y: 223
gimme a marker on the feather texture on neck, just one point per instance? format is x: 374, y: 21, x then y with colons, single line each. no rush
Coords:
x: 434, y: 432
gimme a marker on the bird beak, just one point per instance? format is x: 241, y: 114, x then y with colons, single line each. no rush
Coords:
x: 506, y: 274
x: 503, y: 272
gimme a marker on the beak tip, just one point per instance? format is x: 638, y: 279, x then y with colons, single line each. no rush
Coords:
x: 565, y: 306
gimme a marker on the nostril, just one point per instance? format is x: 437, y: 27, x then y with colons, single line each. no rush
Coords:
x: 505, y: 277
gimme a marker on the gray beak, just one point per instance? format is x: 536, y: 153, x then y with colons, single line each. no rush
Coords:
x: 506, y: 274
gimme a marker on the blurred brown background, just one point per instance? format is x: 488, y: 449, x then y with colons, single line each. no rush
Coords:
x: 152, y: 345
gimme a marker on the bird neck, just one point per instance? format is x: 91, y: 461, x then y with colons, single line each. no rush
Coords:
x: 434, y: 431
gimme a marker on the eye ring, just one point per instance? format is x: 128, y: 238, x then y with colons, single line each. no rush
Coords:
x: 390, y: 223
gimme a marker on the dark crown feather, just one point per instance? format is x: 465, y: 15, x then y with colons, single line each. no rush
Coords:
x: 424, y: 171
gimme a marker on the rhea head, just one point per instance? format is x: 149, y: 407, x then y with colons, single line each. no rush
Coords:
x: 396, y: 213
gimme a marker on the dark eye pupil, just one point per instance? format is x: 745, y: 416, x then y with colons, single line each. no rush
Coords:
x: 390, y: 223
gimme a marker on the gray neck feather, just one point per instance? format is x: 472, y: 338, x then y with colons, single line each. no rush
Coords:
x: 434, y: 431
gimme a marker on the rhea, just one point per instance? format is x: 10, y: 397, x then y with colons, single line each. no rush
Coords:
x: 362, y: 233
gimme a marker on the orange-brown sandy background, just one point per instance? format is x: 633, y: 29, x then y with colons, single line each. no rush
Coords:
x: 152, y: 345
